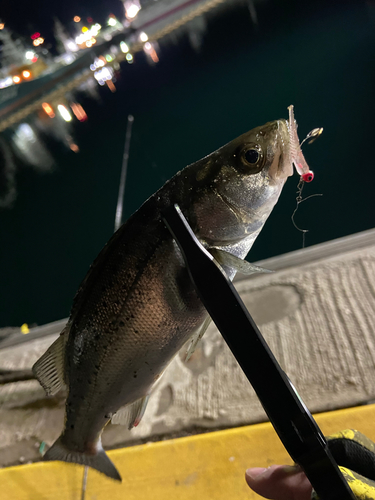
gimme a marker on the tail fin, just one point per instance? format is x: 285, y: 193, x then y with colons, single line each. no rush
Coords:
x: 100, y: 461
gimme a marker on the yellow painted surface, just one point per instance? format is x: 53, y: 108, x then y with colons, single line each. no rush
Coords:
x: 203, y: 467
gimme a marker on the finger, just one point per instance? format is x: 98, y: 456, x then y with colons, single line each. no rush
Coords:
x: 279, y: 482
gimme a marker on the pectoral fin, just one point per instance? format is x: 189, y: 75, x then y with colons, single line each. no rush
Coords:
x: 132, y: 414
x: 242, y: 266
x: 196, y: 338
x: 49, y: 369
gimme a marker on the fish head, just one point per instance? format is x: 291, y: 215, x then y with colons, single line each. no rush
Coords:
x: 243, y: 181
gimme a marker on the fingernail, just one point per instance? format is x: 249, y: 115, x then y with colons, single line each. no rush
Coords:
x: 255, y: 472
x: 291, y: 469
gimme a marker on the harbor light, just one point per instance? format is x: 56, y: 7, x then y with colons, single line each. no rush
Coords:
x: 143, y: 37
x: 76, y: 19
x: 16, y: 79
x: 30, y: 54
x: 132, y: 7
x: 111, y: 21
x: 124, y: 48
x: 26, y: 74
x: 64, y: 113
x: 48, y: 110
x: 129, y: 58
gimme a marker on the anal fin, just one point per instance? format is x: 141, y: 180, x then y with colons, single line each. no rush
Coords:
x: 242, y: 266
x: 197, y: 337
x: 132, y: 414
x: 49, y: 369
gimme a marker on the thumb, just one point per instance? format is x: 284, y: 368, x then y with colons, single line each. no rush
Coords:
x: 279, y: 482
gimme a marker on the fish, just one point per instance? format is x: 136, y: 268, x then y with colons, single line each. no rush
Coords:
x: 137, y: 307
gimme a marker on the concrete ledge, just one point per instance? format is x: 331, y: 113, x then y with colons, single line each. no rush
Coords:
x: 316, y: 316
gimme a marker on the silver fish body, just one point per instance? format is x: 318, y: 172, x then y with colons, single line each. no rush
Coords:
x: 137, y: 305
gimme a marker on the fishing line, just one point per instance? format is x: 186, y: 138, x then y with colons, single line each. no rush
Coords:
x: 300, y: 200
x: 84, y: 482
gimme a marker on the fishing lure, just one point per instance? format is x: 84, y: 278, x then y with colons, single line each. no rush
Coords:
x: 296, y: 154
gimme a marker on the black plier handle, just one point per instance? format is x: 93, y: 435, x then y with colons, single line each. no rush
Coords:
x: 289, y: 416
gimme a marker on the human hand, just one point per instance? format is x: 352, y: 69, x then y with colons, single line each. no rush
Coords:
x: 279, y: 482
x: 351, y: 449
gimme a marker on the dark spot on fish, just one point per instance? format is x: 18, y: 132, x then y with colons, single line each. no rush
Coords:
x: 135, y: 331
x: 97, y: 367
x: 135, y: 374
x: 72, y: 426
x: 127, y: 319
x: 89, y: 381
x: 121, y: 324
x: 104, y: 304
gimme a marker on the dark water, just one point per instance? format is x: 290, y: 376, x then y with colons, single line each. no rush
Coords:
x: 319, y: 57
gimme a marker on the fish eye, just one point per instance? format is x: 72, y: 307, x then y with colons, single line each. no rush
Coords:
x: 252, y: 158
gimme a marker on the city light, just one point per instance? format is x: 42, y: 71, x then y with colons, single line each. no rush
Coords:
x: 35, y: 36
x: 129, y: 58
x: 88, y: 35
x: 143, y: 37
x: 90, y: 42
x: 26, y: 74
x: 76, y: 19
x: 98, y: 63
x: 16, y: 79
x: 48, y: 110
x: 111, y: 21
x: 111, y: 85
x: 38, y: 41
x: 151, y: 52
x: 74, y: 147
x: 64, y: 113
x: 72, y: 46
x: 2, y: 26
x: 124, y: 48
x: 6, y: 82
x: 79, y: 112
x: 132, y: 7
x: 103, y: 75
x: 108, y: 58
x: 30, y: 54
